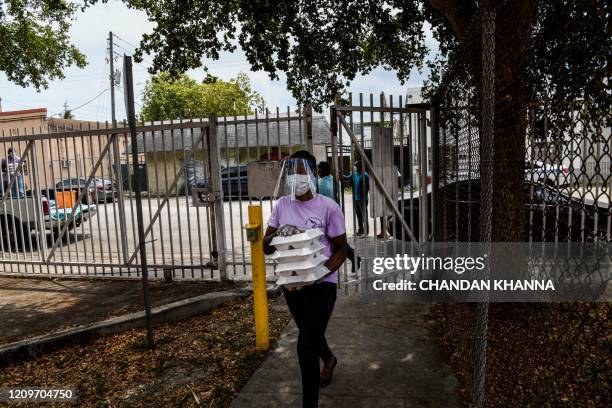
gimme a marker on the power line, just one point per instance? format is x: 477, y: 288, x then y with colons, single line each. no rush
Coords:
x: 89, y: 101
x: 131, y: 45
x: 128, y: 43
x: 86, y: 103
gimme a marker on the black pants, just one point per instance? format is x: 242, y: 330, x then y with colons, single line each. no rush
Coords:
x: 361, y: 211
x: 311, y: 308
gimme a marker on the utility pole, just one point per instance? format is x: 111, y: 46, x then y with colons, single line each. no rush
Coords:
x: 116, y: 154
x: 129, y: 90
x: 112, y: 77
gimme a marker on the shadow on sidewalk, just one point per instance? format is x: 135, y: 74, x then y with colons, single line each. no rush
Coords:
x: 386, y: 353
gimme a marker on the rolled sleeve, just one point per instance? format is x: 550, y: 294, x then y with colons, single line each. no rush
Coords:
x: 274, y: 220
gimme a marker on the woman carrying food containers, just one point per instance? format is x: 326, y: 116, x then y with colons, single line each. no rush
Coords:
x: 307, y: 236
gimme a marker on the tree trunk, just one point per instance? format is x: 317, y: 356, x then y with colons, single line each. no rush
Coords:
x: 512, y: 27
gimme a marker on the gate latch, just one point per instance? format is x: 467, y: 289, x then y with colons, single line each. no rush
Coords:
x: 203, y: 197
x: 252, y: 232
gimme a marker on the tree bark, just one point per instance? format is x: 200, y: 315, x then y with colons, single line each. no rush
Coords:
x: 513, y: 25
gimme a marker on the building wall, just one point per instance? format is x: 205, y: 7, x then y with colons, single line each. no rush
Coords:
x: 56, y: 159
x: 23, y: 122
x: 20, y: 123
x: 162, y: 168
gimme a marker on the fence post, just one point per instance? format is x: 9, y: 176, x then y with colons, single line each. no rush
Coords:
x: 217, y: 215
x: 486, y: 162
x: 308, y: 126
x: 120, y: 198
x: 435, y: 163
x: 423, y: 199
x: 129, y: 107
x: 333, y: 123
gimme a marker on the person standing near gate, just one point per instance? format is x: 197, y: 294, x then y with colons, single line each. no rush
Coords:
x: 9, y: 167
x: 360, y: 181
x: 311, y: 306
x: 326, y: 187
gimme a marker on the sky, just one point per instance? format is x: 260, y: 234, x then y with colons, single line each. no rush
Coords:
x: 90, y: 85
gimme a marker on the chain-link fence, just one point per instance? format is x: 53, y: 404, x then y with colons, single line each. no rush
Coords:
x: 523, y: 155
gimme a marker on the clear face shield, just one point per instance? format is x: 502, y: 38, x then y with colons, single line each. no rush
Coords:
x: 296, y: 179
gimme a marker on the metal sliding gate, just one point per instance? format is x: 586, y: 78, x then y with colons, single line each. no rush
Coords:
x: 68, y: 204
x: 392, y: 142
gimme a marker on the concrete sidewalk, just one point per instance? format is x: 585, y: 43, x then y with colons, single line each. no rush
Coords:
x: 386, y: 358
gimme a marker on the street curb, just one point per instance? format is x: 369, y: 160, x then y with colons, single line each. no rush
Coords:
x: 183, y: 309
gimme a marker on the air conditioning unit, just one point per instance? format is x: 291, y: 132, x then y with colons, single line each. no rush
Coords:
x: 65, y: 164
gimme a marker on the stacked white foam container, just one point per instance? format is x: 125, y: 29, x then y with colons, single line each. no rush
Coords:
x: 299, y: 258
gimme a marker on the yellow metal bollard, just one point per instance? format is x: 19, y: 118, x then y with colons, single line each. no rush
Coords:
x: 254, y: 231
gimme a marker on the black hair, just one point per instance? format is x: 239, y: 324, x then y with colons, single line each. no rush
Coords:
x: 306, y: 155
x: 324, y: 169
x: 359, y: 164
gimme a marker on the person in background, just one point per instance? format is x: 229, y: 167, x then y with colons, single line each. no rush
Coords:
x: 326, y: 187
x: 9, y: 167
x: 326, y: 180
x: 312, y: 305
x: 360, y: 180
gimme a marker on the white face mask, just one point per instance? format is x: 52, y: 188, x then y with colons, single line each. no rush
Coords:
x: 298, y: 184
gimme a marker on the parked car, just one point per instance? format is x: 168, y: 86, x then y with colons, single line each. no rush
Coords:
x: 18, y: 217
x: 234, y: 182
x: 549, y: 214
x: 106, y: 190
x: 58, y: 217
x: 551, y: 174
x: 101, y: 190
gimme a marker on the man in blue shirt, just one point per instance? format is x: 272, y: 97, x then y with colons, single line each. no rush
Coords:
x: 361, y: 189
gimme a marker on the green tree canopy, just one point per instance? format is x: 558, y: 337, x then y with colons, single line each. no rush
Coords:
x: 166, y: 97
x: 34, y: 42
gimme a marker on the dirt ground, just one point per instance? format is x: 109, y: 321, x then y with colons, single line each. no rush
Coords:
x: 31, y: 307
x: 200, y: 362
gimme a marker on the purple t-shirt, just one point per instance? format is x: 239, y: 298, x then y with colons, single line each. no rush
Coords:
x: 319, y: 212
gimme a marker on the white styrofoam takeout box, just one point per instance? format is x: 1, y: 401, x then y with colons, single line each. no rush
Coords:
x: 299, y: 254
x: 312, y: 276
x: 299, y: 258
x: 306, y: 239
x: 301, y: 267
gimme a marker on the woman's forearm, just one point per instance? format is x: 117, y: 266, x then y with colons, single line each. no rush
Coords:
x: 339, y: 255
x: 267, y: 248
